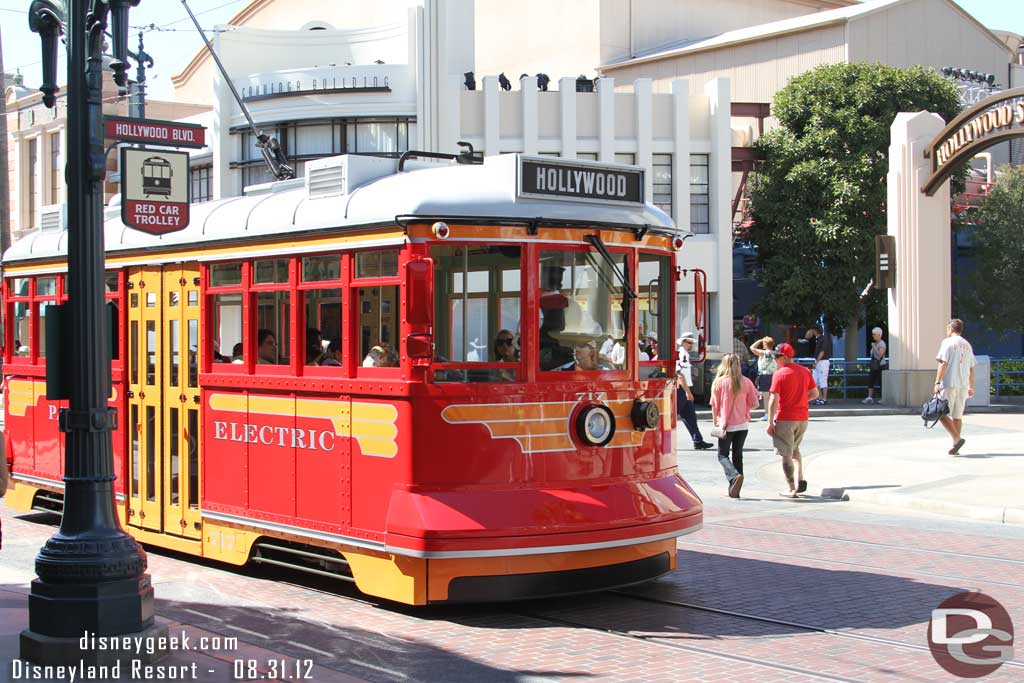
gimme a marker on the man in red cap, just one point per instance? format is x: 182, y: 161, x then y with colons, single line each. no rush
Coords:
x: 792, y: 388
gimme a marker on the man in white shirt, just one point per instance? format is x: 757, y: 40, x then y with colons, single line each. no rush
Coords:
x: 684, y: 396
x: 955, y: 379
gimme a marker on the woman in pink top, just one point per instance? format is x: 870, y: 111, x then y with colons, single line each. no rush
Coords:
x: 732, y: 397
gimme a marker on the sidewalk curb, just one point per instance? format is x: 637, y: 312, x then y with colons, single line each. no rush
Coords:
x: 998, y: 409
x: 985, y: 513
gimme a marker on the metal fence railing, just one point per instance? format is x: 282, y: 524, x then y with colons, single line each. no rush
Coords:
x: 1007, y: 377
x: 846, y: 378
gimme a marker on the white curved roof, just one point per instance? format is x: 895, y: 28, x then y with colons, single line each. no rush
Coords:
x: 469, y: 191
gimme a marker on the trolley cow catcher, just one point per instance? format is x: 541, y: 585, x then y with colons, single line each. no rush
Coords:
x: 293, y: 369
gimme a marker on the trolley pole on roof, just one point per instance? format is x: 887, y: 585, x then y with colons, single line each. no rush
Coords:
x: 91, y: 574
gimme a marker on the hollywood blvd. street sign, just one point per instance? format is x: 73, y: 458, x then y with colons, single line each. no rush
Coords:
x: 154, y: 132
x: 154, y: 190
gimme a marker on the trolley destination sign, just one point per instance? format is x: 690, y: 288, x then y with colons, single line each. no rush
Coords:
x: 152, y: 131
x: 586, y: 182
x: 154, y: 190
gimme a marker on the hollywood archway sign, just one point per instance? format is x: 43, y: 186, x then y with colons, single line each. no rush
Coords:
x: 991, y: 121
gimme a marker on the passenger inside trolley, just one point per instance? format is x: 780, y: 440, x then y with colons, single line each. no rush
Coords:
x: 266, y: 342
x: 332, y: 357
x: 505, y: 350
x: 314, y: 346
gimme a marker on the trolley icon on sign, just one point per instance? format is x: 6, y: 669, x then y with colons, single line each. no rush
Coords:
x: 156, y: 177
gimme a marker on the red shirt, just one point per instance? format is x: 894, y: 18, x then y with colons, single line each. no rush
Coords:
x: 792, y: 383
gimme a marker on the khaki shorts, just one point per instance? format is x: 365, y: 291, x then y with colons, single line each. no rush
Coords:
x: 957, y: 397
x: 787, y: 437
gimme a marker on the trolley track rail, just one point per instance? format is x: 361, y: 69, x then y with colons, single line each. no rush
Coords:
x: 914, y: 572
x: 949, y: 553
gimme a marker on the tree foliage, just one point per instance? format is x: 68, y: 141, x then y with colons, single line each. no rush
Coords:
x: 993, y: 291
x: 819, y: 198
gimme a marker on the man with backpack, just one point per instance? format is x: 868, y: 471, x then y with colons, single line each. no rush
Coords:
x: 954, y: 379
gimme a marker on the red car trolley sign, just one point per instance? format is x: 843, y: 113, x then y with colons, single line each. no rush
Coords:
x: 154, y: 190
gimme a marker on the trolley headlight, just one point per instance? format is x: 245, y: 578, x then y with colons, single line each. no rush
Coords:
x: 595, y: 425
x: 645, y: 415
x: 441, y: 230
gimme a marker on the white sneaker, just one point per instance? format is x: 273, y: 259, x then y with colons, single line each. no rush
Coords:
x: 868, y: 400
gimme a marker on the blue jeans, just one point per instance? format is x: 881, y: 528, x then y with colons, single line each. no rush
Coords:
x: 688, y: 415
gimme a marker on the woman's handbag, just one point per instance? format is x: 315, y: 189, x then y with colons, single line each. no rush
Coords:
x: 718, y: 431
x: 876, y: 363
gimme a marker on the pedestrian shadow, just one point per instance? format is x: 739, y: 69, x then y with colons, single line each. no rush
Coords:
x: 839, y: 492
x: 978, y: 456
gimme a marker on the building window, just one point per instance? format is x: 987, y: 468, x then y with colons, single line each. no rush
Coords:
x: 202, y: 183
x: 32, y: 183
x: 700, y: 198
x: 587, y: 156
x: 662, y: 182
x: 625, y: 158
x: 307, y: 140
x: 56, y: 169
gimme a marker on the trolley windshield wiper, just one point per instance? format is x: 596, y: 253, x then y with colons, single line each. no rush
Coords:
x: 628, y: 293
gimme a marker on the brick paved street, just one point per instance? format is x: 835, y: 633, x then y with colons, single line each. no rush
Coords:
x: 770, y: 590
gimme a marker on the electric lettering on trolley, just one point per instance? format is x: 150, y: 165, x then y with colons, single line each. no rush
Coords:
x: 266, y: 435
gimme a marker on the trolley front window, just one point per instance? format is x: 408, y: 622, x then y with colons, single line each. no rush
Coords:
x: 654, y: 311
x: 477, y: 312
x: 582, y: 326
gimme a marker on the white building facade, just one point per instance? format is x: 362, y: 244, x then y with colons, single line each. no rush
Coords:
x: 400, y: 84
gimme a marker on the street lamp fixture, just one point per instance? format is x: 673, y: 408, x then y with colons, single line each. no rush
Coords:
x: 119, y: 20
x: 91, y: 574
x: 46, y: 18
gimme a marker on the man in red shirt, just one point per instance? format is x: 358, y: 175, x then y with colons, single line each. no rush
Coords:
x: 792, y: 387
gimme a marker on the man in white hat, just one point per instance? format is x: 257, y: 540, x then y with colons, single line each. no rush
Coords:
x: 684, y: 395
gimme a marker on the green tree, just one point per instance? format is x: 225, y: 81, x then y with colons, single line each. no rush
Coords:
x: 993, y: 291
x: 818, y: 200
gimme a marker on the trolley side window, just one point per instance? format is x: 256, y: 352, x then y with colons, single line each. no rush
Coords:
x: 321, y: 304
x: 654, y: 312
x: 46, y: 296
x: 376, y: 300
x: 273, y: 305
x: 226, y: 313
x: 580, y: 312
x: 20, y: 315
x: 477, y: 294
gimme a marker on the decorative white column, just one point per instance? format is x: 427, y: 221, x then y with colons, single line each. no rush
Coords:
x: 492, y: 121
x: 606, y: 118
x: 720, y: 188
x: 528, y: 97
x: 919, y: 305
x: 567, y: 97
x: 681, y: 153
x: 644, y: 132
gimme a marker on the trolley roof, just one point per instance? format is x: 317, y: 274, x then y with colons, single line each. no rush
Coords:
x: 368, y: 191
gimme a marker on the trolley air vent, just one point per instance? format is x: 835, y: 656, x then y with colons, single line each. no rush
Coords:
x: 340, y: 175
x: 53, y: 218
x: 326, y: 182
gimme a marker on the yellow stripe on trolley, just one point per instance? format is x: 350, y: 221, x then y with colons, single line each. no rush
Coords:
x: 21, y: 395
x: 372, y: 425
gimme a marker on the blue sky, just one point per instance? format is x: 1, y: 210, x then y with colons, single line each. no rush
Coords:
x: 175, y: 45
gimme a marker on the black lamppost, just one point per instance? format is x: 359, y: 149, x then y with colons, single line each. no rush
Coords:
x: 91, y: 574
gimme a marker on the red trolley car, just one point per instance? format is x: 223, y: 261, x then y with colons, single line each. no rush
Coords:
x: 427, y: 381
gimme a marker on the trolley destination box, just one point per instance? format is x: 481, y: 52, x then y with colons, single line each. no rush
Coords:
x: 154, y: 132
x: 581, y: 181
x: 154, y: 190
